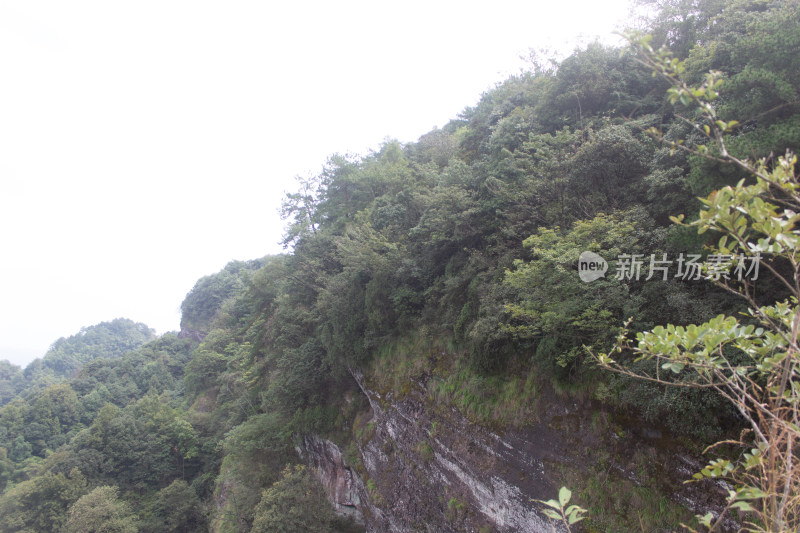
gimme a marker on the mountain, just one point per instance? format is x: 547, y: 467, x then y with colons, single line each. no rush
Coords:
x: 106, y: 339
x: 427, y: 355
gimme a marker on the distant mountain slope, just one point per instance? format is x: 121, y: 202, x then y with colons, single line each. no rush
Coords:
x: 106, y: 339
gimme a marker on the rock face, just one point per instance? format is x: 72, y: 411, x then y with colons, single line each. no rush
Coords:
x: 446, y: 474
x: 344, y: 488
x: 418, y: 467
x: 194, y: 334
x: 421, y: 474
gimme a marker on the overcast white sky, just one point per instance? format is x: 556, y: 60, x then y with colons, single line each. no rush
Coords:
x: 144, y: 144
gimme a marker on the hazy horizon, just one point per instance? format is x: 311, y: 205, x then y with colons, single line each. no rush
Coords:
x: 147, y: 145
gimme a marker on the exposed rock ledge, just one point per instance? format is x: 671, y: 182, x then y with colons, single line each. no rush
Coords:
x: 424, y: 468
x: 344, y: 488
x: 424, y: 476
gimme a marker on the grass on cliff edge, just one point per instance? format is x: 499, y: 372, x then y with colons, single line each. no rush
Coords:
x: 440, y: 369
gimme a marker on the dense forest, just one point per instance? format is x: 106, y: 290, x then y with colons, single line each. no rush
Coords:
x: 454, y: 258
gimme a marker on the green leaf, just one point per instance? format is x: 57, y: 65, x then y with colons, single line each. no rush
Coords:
x: 552, y: 503
x: 574, y: 518
x: 705, y: 519
x: 742, y: 506
x: 750, y: 493
x: 551, y: 514
x: 564, y: 495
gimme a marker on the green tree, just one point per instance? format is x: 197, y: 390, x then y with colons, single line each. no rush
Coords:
x: 301, y: 208
x: 255, y: 451
x: 753, y: 362
x: 203, y: 370
x: 11, y: 381
x: 20, y: 449
x: 41, y: 504
x: 101, y: 511
x: 6, y: 469
x: 175, y: 509
x: 107, y: 340
x: 554, y: 309
x: 205, y: 299
x: 294, y: 504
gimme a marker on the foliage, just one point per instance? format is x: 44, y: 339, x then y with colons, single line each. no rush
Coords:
x: 101, y: 511
x: 558, y: 311
x: 752, y: 362
x: 106, y: 340
x: 12, y: 381
x: 41, y: 504
x: 175, y: 509
x: 558, y: 509
x: 210, y: 292
x: 293, y: 504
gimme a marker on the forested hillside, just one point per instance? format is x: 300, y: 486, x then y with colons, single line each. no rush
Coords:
x: 107, y: 340
x: 444, y: 269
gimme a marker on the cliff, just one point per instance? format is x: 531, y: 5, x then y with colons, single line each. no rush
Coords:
x: 421, y: 467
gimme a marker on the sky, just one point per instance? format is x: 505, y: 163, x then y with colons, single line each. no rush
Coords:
x: 146, y: 144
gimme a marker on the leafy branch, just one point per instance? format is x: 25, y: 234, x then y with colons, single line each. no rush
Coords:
x: 559, y: 510
x: 753, y: 364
